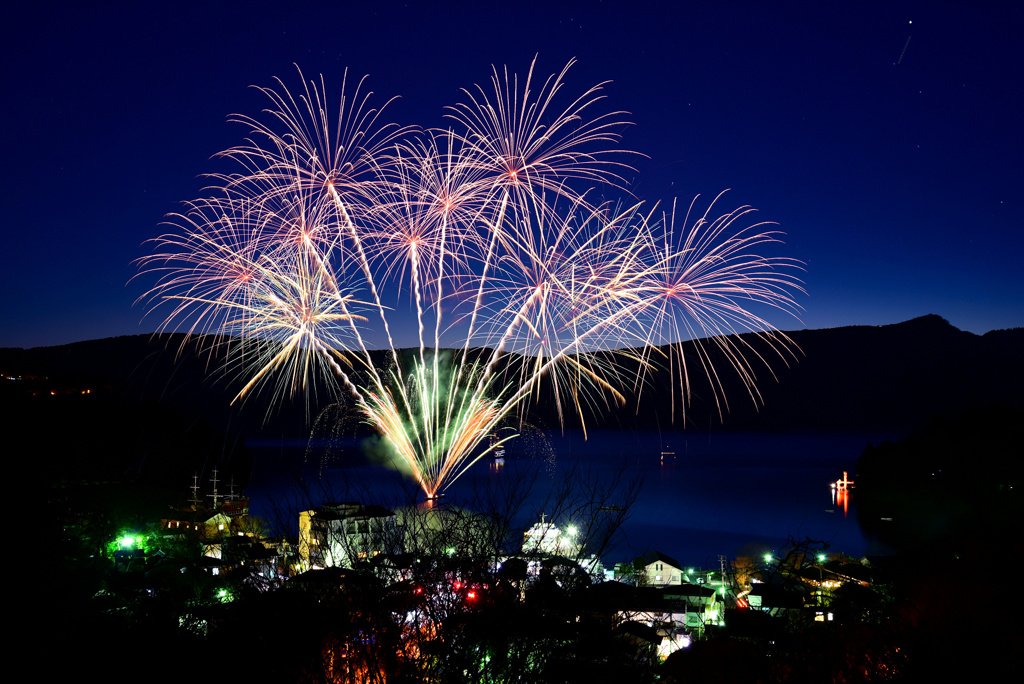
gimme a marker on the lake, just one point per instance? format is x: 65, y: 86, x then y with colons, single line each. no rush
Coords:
x: 711, y: 494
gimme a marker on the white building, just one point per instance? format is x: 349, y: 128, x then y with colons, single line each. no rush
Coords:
x: 341, y: 534
x: 661, y: 570
x: 545, y: 538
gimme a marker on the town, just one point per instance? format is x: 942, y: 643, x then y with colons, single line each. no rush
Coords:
x: 151, y: 566
x: 438, y: 592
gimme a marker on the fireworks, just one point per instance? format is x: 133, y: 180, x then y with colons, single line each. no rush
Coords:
x: 515, y: 278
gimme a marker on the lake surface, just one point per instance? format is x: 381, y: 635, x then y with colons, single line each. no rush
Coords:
x: 716, y: 494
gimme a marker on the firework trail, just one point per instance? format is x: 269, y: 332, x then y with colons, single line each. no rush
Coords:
x: 520, y: 283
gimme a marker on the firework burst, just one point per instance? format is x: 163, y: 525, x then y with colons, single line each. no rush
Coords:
x: 516, y: 279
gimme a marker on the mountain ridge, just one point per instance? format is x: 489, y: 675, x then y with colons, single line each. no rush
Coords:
x: 854, y: 378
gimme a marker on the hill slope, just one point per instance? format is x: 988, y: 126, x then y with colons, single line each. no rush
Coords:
x: 862, y: 378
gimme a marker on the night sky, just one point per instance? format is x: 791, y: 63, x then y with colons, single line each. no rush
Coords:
x: 885, y: 139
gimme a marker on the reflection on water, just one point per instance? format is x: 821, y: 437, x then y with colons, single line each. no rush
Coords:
x: 841, y: 493
x: 701, y: 497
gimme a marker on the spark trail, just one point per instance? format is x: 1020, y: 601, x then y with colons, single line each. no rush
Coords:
x: 520, y: 284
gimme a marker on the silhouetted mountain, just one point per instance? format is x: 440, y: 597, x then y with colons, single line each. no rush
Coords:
x: 125, y: 408
x: 876, y: 378
x: 862, y: 378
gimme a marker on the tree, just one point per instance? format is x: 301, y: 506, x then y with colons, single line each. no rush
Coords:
x: 449, y: 594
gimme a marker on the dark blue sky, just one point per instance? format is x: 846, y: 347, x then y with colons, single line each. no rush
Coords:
x: 897, y: 181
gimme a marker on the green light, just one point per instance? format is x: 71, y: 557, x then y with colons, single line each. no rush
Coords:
x: 821, y: 558
x: 571, y: 530
x: 126, y: 541
x: 451, y: 550
x: 767, y: 558
x: 689, y: 571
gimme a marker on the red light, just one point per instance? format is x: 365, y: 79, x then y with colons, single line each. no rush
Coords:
x: 471, y: 595
x: 419, y: 590
x: 458, y: 585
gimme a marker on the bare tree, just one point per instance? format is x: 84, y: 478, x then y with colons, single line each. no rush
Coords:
x: 452, y: 593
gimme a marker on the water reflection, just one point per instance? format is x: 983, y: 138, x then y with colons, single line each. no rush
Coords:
x: 701, y: 496
x: 841, y: 493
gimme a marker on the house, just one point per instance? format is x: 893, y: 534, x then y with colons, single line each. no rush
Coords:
x: 685, y: 610
x: 699, y: 604
x: 775, y: 600
x: 341, y: 534
x: 659, y: 570
x: 646, y: 606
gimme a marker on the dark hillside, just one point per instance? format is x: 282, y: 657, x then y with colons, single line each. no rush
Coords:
x: 863, y: 379
x: 890, y: 378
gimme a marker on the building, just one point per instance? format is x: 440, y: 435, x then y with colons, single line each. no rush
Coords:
x: 208, y: 526
x: 660, y: 570
x: 698, y: 603
x: 342, y: 534
x: 775, y: 600
x: 546, y: 539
